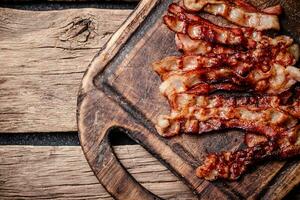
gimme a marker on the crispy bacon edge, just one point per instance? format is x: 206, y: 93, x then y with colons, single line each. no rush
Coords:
x: 179, y: 21
x: 238, y: 12
x: 231, y: 165
x: 201, y: 114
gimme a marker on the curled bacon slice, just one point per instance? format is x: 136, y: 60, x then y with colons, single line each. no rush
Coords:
x: 241, y: 62
x: 183, y: 101
x: 181, y: 22
x: 196, y: 27
x: 202, y: 47
x: 231, y: 59
x: 199, y: 114
x: 248, y: 17
x: 231, y: 165
x: 275, y: 81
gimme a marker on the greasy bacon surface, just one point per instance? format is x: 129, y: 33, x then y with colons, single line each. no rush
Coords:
x: 277, y: 80
x: 231, y: 59
x: 263, y: 70
x: 198, y: 114
x: 179, y: 21
x: 244, y: 15
x: 231, y: 165
x: 241, y: 62
x: 199, y: 28
x: 202, y: 47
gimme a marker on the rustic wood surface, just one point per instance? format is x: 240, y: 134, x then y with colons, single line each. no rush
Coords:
x: 35, y: 85
x: 42, y: 63
x: 112, y: 97
x: 42, y: 172
x: 38, y: 88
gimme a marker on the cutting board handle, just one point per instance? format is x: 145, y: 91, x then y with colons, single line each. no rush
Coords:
x: 97, y: 116
x: 115, y: 178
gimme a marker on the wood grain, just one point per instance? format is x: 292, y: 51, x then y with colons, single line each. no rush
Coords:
x: 111, y: 96
x: 44, y: 172
x: 61, y: 172
x: 42, y: 63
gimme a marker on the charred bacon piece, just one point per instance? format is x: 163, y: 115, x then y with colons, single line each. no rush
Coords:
x: 275, y: 81
x: 231, y: 59
x: 241, y: 13
x: 231, y: 165
x: 241, y: 62
x: 196, y: 27
x: 199, y: 114
x: 200, y: 47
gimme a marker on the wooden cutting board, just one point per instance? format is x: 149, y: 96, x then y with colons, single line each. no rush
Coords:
x: 119, y: 91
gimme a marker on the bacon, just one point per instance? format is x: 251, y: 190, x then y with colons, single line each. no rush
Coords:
x: 205, y: 88
x: 199, y: 114
x: 261, y: 70
x: 252, y: 139
x: 196, y: 27
x: 231, y: 59
x: 241, y: 62
x: 199, y: 28
x: 231, y: 165
x: 276, y: 81
x: 202, y: 47
x: 242, y: 14
x: 182, y: 101
x: 264, y: 121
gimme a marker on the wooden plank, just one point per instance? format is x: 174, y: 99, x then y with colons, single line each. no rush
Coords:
x: 44, y: 61
x: 61, y: 172
x: 44, y: 172
x: 43, y: 57
x: 111, y: 97
x: 286, y: 179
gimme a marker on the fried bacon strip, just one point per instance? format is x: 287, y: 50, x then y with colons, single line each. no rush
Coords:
x: 196, y: 27
x: 183, y: 101
x: 231, y: 59
x: 242, y: 14
x: 199, y: 5
x: 241, y: 62
x: 199, y: 28
x: 201, y: 47
x: 199, y: 114
x: 275, y: 81
x: 231, y: 165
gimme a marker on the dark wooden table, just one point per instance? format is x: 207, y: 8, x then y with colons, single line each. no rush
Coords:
x: 44, y: 50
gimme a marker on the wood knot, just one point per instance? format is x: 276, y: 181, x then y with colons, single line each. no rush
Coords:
x: 80, y: 30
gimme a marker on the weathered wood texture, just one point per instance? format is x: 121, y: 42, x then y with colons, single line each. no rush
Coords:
x: 121, y: 90
x: 62, y: 172
x: 28, y: 172
x: 43, y: 57
x: 40, y: 71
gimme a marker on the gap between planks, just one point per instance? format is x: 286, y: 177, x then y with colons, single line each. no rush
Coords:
x: 44, y: 172
x: 61, y: 172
